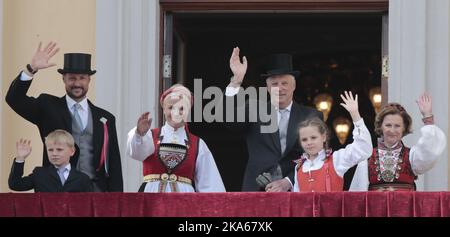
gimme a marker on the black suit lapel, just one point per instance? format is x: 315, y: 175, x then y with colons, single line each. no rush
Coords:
x: 54, y: 174
x: 66, y: 114
x: 275, y: 135
x: 294, y: 119
x: 97, y: 133
x: 71, y: 177
x: 276, y: 140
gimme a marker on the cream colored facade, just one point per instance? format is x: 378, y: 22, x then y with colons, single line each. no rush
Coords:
x: 123, y: 37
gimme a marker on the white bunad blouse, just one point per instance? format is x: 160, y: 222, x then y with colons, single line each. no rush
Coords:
x: 345, y: 158
x: 422, y: 156
x: 206, y: 178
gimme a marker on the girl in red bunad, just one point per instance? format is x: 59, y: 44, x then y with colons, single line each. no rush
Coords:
x: 393, y: 166
x: 174, y: 160
x: 319, y: 169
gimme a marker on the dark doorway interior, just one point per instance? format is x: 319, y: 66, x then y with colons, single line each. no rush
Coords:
x: 334, y: 52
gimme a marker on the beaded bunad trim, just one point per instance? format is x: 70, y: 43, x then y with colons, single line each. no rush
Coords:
x: 388, y: 163
x: 172, y: 154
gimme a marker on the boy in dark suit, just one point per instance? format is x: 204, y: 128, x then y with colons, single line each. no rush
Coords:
x: 59, y: 176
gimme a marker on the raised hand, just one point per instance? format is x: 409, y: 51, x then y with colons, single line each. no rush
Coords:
x: 42, y: 56
x: 351, y: 105
x: 239, y: 69
x: 425, y: 106
x: 23, y: 149
x: 143, y: 124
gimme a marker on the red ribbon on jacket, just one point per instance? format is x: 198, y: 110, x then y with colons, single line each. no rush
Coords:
x: 104, y: 147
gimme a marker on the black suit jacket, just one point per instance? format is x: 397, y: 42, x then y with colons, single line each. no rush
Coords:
x: 264, y: 149
x: 49, y: 112
x: 46, y: 179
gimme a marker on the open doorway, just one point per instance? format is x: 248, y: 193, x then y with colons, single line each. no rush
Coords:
x: 333, y: 51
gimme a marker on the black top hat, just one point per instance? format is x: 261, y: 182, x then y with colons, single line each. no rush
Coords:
x: 279, y: 64
x: 79, y: 63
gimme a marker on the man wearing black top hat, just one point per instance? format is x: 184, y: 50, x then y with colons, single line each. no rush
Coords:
x: 93, y: 128
x: 270, y: 167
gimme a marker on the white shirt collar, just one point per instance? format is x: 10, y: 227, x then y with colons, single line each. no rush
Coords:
x: 71, y: 102
x: 168, y: 132
x: 288, y: 108
x: 68, y: 167
x: 320, y: 156
x: 316, y: 164
x: 171, y: 129
x: 393, y: 146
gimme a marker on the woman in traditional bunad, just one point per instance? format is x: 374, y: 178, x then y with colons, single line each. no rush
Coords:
x: 174, y: 160
x: 319, y: 169
x: 393, y: 166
